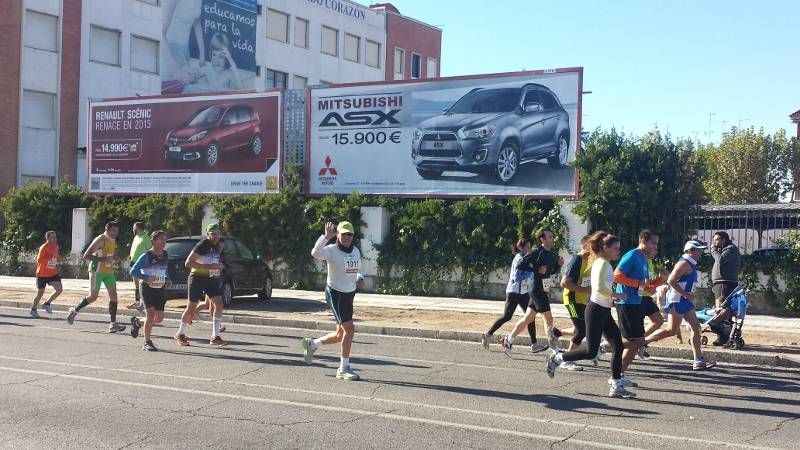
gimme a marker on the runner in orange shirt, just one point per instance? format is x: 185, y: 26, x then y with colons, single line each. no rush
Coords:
x: 47, y: 262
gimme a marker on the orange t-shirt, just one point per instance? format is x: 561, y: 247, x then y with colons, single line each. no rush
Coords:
x: 47, y: 260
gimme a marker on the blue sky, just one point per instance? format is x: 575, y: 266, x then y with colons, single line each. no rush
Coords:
x: 647, y: 62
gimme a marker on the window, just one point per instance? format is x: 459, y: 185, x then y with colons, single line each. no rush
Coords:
x: 150, y: 2
x: 144, y: 54
x: 330, y: 41
x: 532, y: 96
x: 276, y: 79
x: 30, y: 179
x: 324, y: 83
x: 38, y: 110
x: 277, y: 25
x: 416, y: 60
x: 548, y: 102
x: 244, y: 251
x: 301, y: 32
x: 372, y: 56
x: 399, y: 63
x: 104, y: 46
x: 245, y: 114
x: 351, y: 47
x: 299, y: 82
x: 430, y: 71
x: 231, y: 248
x: 41, y: 31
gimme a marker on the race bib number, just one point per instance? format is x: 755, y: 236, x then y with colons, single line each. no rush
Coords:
x: 159, y: 277
x: 586, y: 281
x: 53, y: 263
x: 525, y: 285
x: 548, y: 284
x: 214, y: 273
x: 352, y: 264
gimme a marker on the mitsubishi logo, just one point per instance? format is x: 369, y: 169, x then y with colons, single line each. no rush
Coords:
x: 328, y: 168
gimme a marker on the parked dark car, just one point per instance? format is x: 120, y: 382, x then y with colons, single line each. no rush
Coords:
x: 212, y: 131
x: 244, y: 274
x: 492, y: 132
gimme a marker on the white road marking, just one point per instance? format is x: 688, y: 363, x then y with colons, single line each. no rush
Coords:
x: 336, y: 409
x: 388, y: 401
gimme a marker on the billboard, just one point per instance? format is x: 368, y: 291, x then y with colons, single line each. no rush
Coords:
x: 496, y: 135
x: 191, y: 144
x: 208, y: 45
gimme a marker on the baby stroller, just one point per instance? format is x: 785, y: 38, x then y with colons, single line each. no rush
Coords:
x: 727, y: 321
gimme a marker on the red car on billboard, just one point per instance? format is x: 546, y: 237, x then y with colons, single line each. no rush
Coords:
x: 212, y: 131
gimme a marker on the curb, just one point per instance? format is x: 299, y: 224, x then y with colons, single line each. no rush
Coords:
x: 726, y: 356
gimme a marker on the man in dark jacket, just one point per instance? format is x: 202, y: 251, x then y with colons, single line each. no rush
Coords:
x: 724, y: 274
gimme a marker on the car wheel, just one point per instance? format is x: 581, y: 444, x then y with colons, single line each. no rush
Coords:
x: 255, y: 145
x: 265, y: 294
x: 227, y: 293
x: 212, y: 154
x: 559, y: 159
x: 507, y: 163
x: 429, y: 174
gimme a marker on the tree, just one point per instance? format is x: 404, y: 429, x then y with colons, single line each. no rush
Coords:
x: 628, y: 184
x: 749, y: 167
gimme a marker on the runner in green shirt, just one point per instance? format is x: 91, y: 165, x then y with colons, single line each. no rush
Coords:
x: 140, y: 244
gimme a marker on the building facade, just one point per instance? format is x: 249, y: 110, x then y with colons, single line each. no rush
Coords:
x: 61, y: 54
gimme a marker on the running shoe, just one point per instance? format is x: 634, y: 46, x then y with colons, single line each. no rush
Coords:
x: 551, y: 364
x: 552, y: 339
x: 34, y: 314
x: 703, y: 364
x: 218, y: 341
x: 114, y: 327
x: 182, y: 341
x: 571, y: 366
x: 619, y: 391
x: 48, y: 308
x: 149, y: 347
x: 308, y: 350
x: 135, y: 325
x: 536, y: 348
x: 506, y: 345
x: 71, y: 316
x: 624, y: 381
x: 642, y: 353
x: 134, y: 305
x: 485, y: 340
x: 140, y: 307
x: 347, y: 374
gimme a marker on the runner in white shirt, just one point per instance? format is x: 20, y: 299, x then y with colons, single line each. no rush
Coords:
x: 344, y: 264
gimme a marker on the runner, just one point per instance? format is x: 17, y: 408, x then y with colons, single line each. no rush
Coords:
x: 47, y: 262
x: 140, y: 244
x: 206, y: 264
x: 519, y: 281
x: 544, y: 263
x: 103, y: 263
x: 599, y: 321
x: 649, y: 307
x: 630, y: 277
x: 151, y: 269
x: 576, y: 283
x: 679, y: 302
x: 344, y: 262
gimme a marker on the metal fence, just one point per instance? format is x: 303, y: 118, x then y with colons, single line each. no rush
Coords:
x: 751, y: 227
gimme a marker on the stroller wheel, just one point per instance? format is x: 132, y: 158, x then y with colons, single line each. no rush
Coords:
x: 738, y: 344
x: 704, y: 340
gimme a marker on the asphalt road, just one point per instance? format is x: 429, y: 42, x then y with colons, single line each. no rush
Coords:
x: 77, y: 386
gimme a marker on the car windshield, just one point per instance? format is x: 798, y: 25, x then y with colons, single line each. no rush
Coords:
x: 208, y: 116
x: 487, y: 101
x: 179, y: 249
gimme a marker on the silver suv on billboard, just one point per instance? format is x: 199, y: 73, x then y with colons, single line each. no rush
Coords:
x: 492, y: 132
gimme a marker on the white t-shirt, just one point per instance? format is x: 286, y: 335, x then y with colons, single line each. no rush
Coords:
x: 343, y: 268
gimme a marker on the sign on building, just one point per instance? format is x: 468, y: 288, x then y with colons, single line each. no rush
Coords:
x: 498, y: 135
x: 196, y: 144
x: 208, y: 45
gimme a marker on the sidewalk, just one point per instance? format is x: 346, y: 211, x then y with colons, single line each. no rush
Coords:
x: 770, y: 340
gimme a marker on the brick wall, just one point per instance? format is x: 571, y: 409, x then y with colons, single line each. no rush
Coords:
x: 70, y: 83
x: 413, y: 37
x: 10, y: 55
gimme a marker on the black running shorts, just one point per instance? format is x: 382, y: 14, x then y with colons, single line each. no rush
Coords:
x: 631, y: 321
x: 539, y: 301
x: 200, y: 286
x: 341, y: 304
x: 153, y: 297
